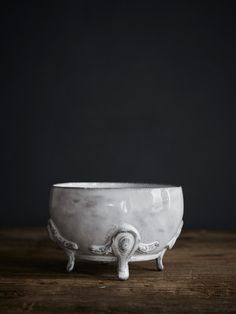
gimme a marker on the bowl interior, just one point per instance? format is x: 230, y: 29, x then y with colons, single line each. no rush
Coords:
x: 109, y: 185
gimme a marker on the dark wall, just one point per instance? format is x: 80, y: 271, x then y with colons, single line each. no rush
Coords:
x: 118, y: 91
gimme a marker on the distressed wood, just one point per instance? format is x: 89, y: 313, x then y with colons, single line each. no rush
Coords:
x: 199, y: 277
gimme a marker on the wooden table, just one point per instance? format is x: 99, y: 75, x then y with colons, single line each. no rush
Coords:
x: 199, y: 277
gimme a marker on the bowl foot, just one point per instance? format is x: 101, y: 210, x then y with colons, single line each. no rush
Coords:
x: 159, y: 261
x: 123, y: 269
x: 70, y: 248
x: 70, y: 260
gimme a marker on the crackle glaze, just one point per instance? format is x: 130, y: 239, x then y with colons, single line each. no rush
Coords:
x: 120, y: 222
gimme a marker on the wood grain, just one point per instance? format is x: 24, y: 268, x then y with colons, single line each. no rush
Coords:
x: 199, y: 277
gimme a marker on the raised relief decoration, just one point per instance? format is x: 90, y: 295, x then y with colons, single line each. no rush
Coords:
x: 122, y: 241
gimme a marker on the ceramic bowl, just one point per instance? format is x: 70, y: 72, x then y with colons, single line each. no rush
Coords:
x: 121, y: 222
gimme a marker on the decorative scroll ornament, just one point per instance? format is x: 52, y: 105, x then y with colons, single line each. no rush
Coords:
x: 147, y: 248
x: 69, y: 247
x: 123, y: 242
x: 106, y: 249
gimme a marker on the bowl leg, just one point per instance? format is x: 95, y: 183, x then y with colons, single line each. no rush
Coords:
x: 70, y: 260
x: 159, y: 260
x: 123, y: 268
x: 70, y: 248
x: 125, y: 242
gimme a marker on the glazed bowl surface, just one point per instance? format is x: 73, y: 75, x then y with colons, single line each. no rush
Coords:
x: 120, y: 222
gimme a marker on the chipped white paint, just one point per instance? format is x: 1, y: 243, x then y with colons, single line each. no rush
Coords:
x: 107, y: 221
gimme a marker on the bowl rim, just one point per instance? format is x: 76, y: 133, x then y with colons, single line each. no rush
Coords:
x: 111, y: 185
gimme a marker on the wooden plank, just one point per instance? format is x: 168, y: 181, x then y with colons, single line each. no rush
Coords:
x: 199, y: 277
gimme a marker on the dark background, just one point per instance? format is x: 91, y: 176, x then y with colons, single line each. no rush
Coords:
x: 118, y: 91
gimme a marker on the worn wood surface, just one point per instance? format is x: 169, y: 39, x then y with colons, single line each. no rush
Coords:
x: 199, y: 277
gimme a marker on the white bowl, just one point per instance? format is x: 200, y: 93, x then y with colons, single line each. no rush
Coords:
x: 121, y: 222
